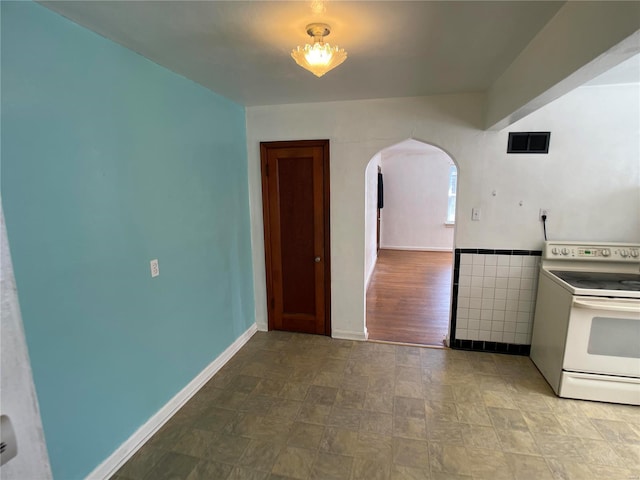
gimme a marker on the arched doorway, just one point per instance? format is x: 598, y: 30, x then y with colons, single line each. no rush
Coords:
x: 409, y: 243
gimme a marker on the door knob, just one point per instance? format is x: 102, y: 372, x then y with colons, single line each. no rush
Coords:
x: 317, y: 259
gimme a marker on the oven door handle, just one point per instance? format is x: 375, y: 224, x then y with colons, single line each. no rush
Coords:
x: 606, y: 306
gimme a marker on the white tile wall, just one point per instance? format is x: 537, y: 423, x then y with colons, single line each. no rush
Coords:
x: 496, y: 297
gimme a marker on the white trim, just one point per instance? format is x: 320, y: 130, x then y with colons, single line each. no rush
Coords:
x: 125, y: 451
x: 349, y: 335
x: 370, y: 274
x: 419, y: 249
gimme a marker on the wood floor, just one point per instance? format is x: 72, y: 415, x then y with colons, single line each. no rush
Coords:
x: 409, y: 296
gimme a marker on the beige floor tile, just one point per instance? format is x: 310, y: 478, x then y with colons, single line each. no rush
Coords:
x: 488, y: 464
x: 533, y: 402
x: 401, y: 472
x: 294, y: 463
x: 328, y: 379
x: 473, y: 413
x: 328, y: 466
x: 507, y: 419
x: 339, y: 441
x: 261, y: 454
x: 527, y: 467
x: 578, y: 426
x: 374, y: 422
x: 271, y: 427
x: 371, y: 444
x: 437, y: 392
x: 345, y: 417
x: 285, y: 409
x: 140, y: 464
x: 410, y: 389
x: 359, y: 383
x: 467, y: 394
x: 243, y: 423
x: 382, y: 384
x: 409, y: 374
x: 206, y: 470
x: 558, y: 446
x: 258, y: 404
x: 600, y: 452
x: 410, y: 453
x: 449, y: 458
x: 448, y: 476
x: 570, y: 469
x: 269, y: 387
x: 409, y: 427
x: 543, y: 422
x: 172, y: 465
x: 378, y: 402
x: 609, y: 472
x: 243, y: 473
x: 478, y: 436
x: 445, y: 432
x: 350, y: 398
x: 317, y: 414
x: 617, y: 431
x: 498, y: 399
x: 320, y: 395
x: 408, y: 407
x: 518, y: 441
x: 294, y: 391
x: 305, y: 435
x: 371, y: 467
x: 629, y: 453
x: 441, y: 411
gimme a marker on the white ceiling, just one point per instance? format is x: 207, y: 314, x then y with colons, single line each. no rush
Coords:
x: 241, y: 49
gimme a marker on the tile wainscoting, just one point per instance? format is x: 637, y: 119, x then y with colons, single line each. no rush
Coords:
x: 494, y: 296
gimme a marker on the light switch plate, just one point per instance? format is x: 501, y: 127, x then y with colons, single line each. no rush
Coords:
x: 155, y: 268
x: 475, y: 214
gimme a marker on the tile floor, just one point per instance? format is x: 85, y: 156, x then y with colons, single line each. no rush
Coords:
x: 291, y: 406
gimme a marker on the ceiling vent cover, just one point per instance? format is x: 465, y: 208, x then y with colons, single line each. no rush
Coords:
x: 528, y: 142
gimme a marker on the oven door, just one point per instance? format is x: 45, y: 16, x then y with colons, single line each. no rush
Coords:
x: 604, y: 336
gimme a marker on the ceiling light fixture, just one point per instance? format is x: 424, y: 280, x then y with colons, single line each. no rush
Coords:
x: 320, y: 57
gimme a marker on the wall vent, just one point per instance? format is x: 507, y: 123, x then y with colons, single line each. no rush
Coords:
x: 528, y: 142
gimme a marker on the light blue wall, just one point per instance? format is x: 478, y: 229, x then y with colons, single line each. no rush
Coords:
x: 109, y: 161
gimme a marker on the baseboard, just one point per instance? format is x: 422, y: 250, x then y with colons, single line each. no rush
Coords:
x: 349, y: 335
x: 118, y: 458
x: 420, y: 249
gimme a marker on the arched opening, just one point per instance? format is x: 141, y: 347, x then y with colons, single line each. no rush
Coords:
x: 410, y: 206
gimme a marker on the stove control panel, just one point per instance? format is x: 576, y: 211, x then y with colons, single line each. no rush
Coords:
x: 616, y: 252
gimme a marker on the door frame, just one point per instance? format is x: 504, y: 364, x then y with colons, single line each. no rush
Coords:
x: 264, y: 147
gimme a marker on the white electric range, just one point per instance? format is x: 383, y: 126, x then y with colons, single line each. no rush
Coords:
x: 586, y: 329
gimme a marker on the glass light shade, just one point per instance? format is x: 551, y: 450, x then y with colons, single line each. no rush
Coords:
x: 319, y: 58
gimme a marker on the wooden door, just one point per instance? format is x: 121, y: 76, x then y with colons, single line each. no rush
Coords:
x: 295, y: 198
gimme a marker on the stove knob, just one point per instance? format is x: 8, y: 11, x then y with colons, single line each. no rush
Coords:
x: 565, y: 251
x: 624, y: 253
x: 634, y: 253
x: 555, y: 251
x: 606, y: 252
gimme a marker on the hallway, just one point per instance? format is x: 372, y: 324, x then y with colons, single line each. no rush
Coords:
x: 408, y: 299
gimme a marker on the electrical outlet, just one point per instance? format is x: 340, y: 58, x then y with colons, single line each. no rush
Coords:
x: 475, y: 214
x: 543, y: 211
x: 155, y: 268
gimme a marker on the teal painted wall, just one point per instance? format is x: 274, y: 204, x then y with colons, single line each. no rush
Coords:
x: 109, y: 161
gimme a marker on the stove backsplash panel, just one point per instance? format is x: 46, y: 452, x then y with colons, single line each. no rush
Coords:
x: 494, y: 295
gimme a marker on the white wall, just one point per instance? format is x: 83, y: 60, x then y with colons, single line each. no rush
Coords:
x: 416, y: 200
x: 589, y: 181
x: 17, y: 392
x: 371, y: 217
